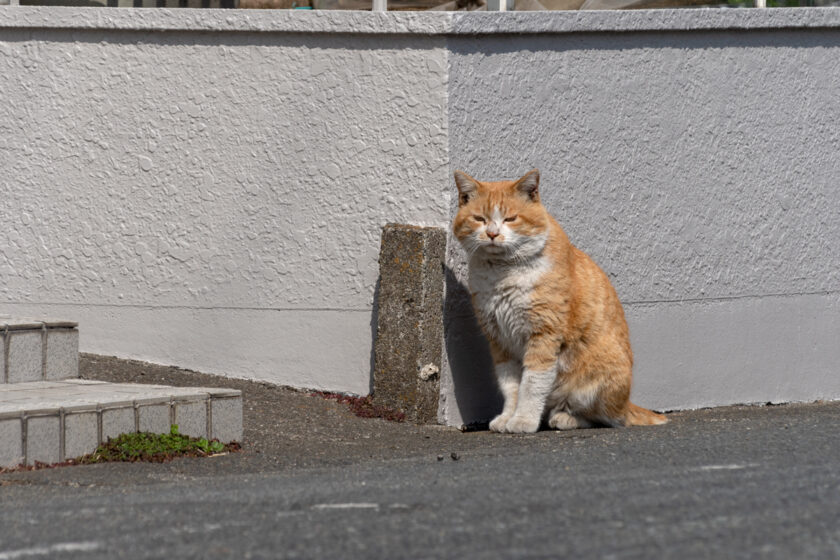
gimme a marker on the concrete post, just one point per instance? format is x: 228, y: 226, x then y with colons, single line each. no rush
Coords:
x: 409, y: 336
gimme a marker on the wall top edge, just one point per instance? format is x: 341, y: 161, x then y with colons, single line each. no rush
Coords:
x: 415, y: 23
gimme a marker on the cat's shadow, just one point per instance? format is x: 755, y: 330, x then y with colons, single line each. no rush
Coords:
x: 476, y: 397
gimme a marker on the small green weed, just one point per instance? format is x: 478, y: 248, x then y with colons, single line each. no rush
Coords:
x: 156, y: 448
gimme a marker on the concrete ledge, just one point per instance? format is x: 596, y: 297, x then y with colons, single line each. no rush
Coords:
x: 53, y: 421
x: 254, y: 21
x: 415, y: 23
x: 610, y: 21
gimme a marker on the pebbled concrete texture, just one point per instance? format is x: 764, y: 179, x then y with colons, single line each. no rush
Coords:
x: 62, y: 356
x: 11, y: 442
x: 154, y: 418
x: 43, y: 439
x: 35, y: 350
x: 25, y: 357
x: 191, y: 417
x: 226, y: 418
x: 81, y: 433
x: 118, y: 420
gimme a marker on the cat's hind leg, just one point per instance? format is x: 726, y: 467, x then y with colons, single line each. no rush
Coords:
x: 560, y: 419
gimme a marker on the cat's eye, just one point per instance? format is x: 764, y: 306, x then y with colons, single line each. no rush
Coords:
x: 511, y: 218
x: 478, y: 219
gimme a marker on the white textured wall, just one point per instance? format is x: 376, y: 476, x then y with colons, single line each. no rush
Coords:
x: 214, y: 200
x: 206, y: 188
x: 700, y: 170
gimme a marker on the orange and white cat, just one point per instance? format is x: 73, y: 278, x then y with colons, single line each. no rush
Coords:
x: 556, y: 328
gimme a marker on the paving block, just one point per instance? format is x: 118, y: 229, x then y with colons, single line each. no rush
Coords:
x: 62, y: 353
x: 226, y: 419
x: 116, y: 421
x: 94, y: 411
x: 11, y: 442
x: 154, y: 418
x: 43, y: 439
x: 191, y: 417
x: 81, y: 433
x: 26, y: 360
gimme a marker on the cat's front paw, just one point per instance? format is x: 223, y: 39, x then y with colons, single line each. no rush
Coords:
x: 522, y: 425
x: 498, y: 423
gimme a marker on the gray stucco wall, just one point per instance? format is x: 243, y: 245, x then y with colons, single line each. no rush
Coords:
x: 700, y: 171
x: 206, y: 188
x: 214, y: 199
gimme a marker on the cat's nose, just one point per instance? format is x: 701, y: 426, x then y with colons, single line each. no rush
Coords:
x: 492, y: 234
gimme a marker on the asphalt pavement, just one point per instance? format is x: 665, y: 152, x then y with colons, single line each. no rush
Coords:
x: 735, y: 482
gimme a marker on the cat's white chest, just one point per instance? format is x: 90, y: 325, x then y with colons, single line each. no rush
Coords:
x: 502, y: 297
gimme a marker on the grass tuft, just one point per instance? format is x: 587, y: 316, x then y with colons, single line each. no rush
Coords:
x: 155, y: 448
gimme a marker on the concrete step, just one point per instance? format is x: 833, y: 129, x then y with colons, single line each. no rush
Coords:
x: 38, y: 349
x: 52, y: 421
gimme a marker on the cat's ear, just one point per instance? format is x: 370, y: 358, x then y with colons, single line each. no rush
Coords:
x: 467, y: 187
x: 529, y: 185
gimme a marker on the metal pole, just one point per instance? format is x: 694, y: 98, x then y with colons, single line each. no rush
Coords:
x: 760, y: 3
x: 380, y: 5
x: 499, y: 5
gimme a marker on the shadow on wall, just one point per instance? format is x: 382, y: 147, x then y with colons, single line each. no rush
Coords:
x: 475, y: 390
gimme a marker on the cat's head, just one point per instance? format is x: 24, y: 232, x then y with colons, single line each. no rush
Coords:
x: 503, y: 220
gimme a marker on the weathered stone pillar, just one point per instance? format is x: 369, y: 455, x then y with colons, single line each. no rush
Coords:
x: 409, y: 335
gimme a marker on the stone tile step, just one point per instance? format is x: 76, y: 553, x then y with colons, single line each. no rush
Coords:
x: 10, y: 322
x: 37, y: 349
x: 51, y: 421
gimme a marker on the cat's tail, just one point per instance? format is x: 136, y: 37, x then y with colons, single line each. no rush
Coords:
x: 638, y: 416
